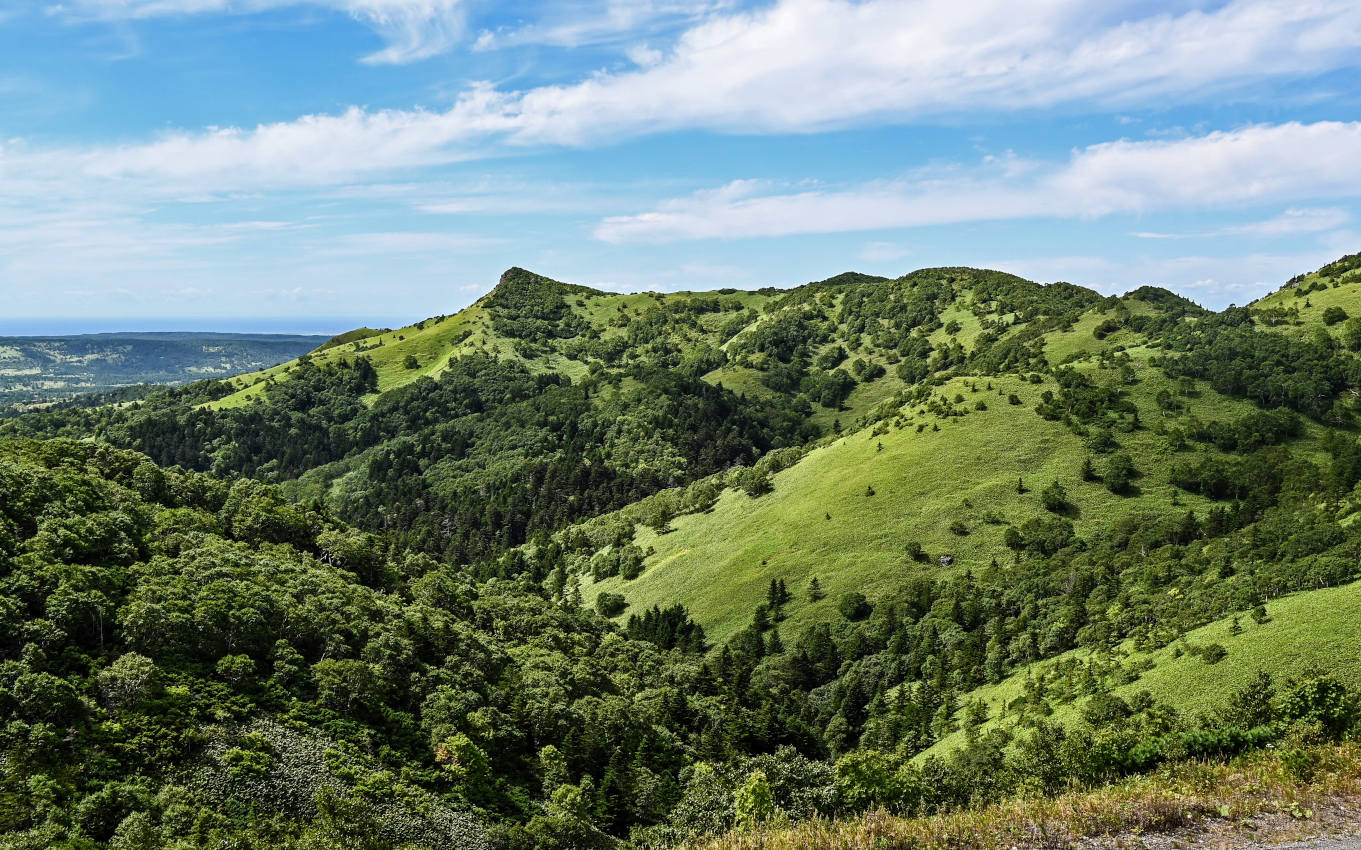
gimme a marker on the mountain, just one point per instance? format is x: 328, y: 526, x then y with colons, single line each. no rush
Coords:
x: 38, y: 370
x: 570, y: 568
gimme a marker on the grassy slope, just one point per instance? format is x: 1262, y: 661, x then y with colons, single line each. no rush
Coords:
x: 466, y: 332
x: 1343, y: 291
x: 1319, y: 630
x: 719, y: 563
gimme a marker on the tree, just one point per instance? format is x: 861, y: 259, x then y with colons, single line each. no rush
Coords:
x: 610, y: 604
x: 814, y: 590
x: 753, y: 802
x: 1120, y: 474
x: 1333, y: 315
x: 129, y: 682
x: 1054, y: 498
x: 853, y: 606
x: 1351, y: 333
x: 1088, y: 471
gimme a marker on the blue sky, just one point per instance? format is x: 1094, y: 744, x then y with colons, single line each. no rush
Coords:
x: 317, y: 164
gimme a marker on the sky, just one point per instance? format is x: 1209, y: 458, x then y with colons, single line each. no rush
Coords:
x: 315, y: 165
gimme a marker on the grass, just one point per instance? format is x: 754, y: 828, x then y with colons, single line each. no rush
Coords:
x: 1313, y: 630
x: 1212, y: 799
x: 719, y: 564
x: 1344, y: 292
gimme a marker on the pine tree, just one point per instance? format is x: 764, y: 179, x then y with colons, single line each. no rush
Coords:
x: 774, y: 646
x: 1088, y: 470
x: 814, y: 590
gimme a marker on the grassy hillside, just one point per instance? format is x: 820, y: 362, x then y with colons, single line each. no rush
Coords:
x: 819, y: 520
x: 927, y: 471
x: 1305, y: 633
x: 426, y: 348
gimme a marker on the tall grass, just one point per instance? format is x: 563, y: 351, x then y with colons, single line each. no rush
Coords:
x: 1186, y: 795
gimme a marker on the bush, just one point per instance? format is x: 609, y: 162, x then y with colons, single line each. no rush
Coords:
x: 1213, y: 653
x: 1054, y: 498
x: 754, y: 482
x: 1333, y: 315
x: 411, y: 362
x: 1120, y: 474
x: 873, y: 779
x: 753, y: 803
x: 1324, y: 701
x: 610, y: 604
x: 854, y: 606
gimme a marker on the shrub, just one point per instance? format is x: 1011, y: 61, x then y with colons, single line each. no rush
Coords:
x: 754, y: 483
x: 753, y: 803
x: 1054, y: 498
x: 1333, y: 315
x: 1325, y: 701
x: 610, y: 604
x: 854, y: 606
x: 1213, y: 653
x: 1120, y: 474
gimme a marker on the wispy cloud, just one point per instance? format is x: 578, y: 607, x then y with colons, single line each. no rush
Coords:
x: 1289, y: 223
x: 1214, y: 170
x: 412, y: 29
x: 578, y: 24
x: 802, y: 65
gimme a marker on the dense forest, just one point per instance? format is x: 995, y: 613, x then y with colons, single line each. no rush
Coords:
x: 348, y: 609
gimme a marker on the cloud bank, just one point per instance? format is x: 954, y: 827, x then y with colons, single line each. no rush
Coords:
x: 1243, y: 166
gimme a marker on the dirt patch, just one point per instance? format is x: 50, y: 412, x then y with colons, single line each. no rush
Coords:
x: 1328, y: 824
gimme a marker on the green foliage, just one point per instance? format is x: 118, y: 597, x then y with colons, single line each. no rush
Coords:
x: 610, y: 604
x: 753, y: 803
x: 1333, y: 315
x: 1054, y: 498
x: 853, y: 606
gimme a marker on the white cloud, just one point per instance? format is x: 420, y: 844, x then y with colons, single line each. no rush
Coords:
x: 391, y: 243
x: 884, y: 252
x: 412, y: 29
x: 802, y: 65
x: 799, y: 65
x: 1294, y: 221
x: 313, y: 150
x: 580, y: 24
x: 1255, y: 164
x: 1289, y: 223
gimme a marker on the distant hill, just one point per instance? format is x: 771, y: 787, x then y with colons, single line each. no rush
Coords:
x: 36, y: 370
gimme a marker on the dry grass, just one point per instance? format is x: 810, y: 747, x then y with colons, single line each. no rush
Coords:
x: 1188, y: 799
